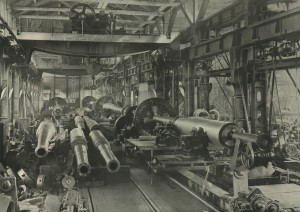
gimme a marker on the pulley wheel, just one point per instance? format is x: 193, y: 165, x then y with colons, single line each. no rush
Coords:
x: 201, y: 113
x: 79, y: 12
x: 214, y: 114
x: 68, y: 182
x: 247, y: 155
x: 290, y: 150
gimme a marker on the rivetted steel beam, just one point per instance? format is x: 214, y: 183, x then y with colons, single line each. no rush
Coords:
x: 60, y: 9
x: 44, y: 133
x: 102, y: 144
x: 259, y: 67
x: 79, y: 147
x: 96, y: 38
x: 282, y: 26
x: 132, y: 2
x: 66, y: 18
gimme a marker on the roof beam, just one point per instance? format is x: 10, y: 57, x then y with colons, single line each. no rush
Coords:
x: 172, y: 21
x: 202, y: 10
x: 40, y: 3
x: 120, y: 12
x: 48, y: 17
x: 159, y: 10
x: 102, y: 5
x: 185, y: 14
x: 132, y: 2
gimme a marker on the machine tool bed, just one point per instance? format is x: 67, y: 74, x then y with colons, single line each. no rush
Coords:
x: 149, y: 145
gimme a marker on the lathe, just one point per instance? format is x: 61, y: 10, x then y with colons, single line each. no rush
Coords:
x: 215, y: 159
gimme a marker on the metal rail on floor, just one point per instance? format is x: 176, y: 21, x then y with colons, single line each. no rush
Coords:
x: 147, y: 198
x: 211, y: 207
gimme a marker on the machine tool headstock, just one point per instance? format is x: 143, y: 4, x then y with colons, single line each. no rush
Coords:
x: 149, y: 108
x: 89, y: 101
x: 57, y: 105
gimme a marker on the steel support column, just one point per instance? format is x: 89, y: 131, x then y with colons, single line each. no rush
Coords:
x: 237, y: 79
x: 15, y: 97
x: 189, y: 87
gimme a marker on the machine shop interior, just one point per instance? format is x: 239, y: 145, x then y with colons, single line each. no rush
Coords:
x: 149, y: 105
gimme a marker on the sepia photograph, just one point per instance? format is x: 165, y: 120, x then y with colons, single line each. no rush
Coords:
x: 149, y: 106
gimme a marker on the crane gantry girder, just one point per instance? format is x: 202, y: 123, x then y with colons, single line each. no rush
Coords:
x: 90, y: 45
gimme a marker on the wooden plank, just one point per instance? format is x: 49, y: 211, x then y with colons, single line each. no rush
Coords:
x: 119, y: 197
x: 164, y: 196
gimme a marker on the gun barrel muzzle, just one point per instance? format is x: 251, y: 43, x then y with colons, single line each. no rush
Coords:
x: 45, y: 132
x: 79, y: 147
x: 102, y: 144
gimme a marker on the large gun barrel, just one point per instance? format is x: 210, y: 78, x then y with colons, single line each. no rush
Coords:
x: 218, y: 132
x: 101, y: 143
x: 263, y: 142
x: 165, y: 120
x: 113, y: 107
x: 91, y: 124
x: 79, y: 122
x: 44, y: 133
x: 79, y: 147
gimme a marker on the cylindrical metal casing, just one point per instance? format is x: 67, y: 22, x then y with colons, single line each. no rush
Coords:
x: 165, y: 120
x: 113, y: 107
x: 218, y: 132
x: 101, y: 143
x: 44, y: 133
x: 79, y: 147
x: 264, y: 142
x: 91, y: 124
x: 79, y: 122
